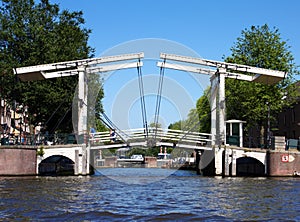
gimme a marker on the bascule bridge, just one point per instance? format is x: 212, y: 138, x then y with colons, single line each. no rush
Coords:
x: 212, y: 149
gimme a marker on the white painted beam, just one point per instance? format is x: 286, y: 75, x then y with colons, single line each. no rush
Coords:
x: 51, y: 75
x: 274, y: 76
x: 32, y: 73
x: 186, y: 68
x: 239, y: 76
x: 109, y: 68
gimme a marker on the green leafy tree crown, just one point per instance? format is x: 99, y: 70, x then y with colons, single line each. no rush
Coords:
x: 261, y: 47
x: 33, y: 34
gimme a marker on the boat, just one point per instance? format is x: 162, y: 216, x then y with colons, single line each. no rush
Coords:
x: 296, y: 174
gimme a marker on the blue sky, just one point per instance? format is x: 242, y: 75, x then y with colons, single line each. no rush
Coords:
x: 210, y: 28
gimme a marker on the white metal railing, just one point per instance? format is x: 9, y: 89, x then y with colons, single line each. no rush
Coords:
x: 159, y: 134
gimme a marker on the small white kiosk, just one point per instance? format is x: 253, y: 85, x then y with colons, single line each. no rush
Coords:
x: 234, y: 132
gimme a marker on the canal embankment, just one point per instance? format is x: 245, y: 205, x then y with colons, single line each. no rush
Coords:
x: 18, y: 160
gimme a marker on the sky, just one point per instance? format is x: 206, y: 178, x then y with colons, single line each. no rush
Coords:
x: 207, y: 29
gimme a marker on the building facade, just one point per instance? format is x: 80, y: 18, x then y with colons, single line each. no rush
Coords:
x: 5, y: 118
x: 14, y: 124
x: 289, y: 123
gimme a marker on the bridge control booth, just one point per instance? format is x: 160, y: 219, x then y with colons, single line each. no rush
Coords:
x: 234, y: 132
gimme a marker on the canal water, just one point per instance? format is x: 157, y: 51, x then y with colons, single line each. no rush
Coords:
x: 134, y: 194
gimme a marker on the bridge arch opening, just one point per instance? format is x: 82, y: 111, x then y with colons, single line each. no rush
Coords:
x: 56, y: 165
x: 249, y: 166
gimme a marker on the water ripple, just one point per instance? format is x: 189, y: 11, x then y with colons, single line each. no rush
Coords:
x: 182, y: 196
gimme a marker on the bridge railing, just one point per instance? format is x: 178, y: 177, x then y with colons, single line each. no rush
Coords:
x: 101, y: 137
x: 181, y: 136
x: 154, y: 134
x: 125, y: 136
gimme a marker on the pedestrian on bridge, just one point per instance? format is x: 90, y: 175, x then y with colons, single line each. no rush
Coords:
x: 92, y: 133
x: 112, y: 135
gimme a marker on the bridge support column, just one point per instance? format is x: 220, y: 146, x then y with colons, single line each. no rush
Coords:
x: 76, y: 163
x: 217, y: 107
x: 198, y: 159
x: 218, y: 116
x: 213, y: 108
x: 221, y: 107
x: 227, y: 161
x: 82, y: 161
x: 82, y: 106
x: 233, y: 163
x: 88, y: 159
x: 219, y: 161
x: 78, y: 168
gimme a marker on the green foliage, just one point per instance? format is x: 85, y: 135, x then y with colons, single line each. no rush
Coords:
x: 176, y: 126
x: 190, y: 124
x: 198, y: 118
x: 203, y: 111
x: 32, y: 34
x: 260, y: 47
x: 95, y: 94
x: 155, y: 125
x: 100, y: 127
x: 40, y: 151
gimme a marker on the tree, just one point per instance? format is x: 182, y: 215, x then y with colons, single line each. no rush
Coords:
x: 176, y: 126
x: 260, y: 47
x: 95, y: 108
x: 192, y: 122
x: 204, y: 113
x: 155, y: 125
x: 199, y: 118
x: 32, y: 34
x: 189, y: 124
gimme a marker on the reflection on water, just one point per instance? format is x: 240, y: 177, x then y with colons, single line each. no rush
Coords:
x: 149, y: 194
x: 137, y: 175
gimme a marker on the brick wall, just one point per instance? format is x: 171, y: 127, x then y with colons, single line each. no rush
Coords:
x: 283, y: 163
x: 151, y: 161
x: 110, y: 161
x: 17, y: 161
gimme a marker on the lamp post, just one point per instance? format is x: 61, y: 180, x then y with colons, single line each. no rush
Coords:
x: 25, y: 122
x: 268, y: 127
x: 20, y: 116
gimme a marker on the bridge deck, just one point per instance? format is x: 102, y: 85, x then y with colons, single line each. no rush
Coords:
x: 154, y: 137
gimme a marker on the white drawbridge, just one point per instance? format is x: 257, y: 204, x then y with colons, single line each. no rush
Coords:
x: 217, y: 70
